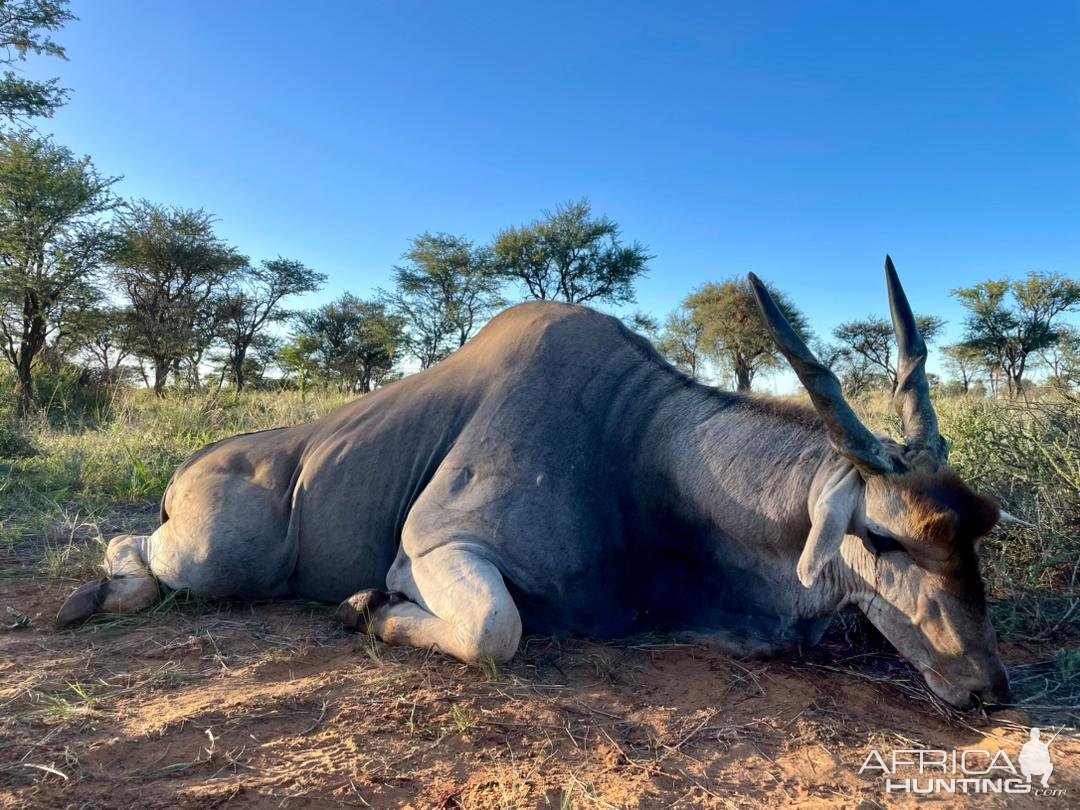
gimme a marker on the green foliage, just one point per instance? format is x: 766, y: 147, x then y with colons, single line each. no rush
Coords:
x: 51, y: 244
x: 129, y: 457
x: 682, y: 342
x: 569, y: 255
x: 966, y: 365
x: 858, y: 375
x: 299, y: 360
x: 1028, y: 457
x: 1062, y: 359
x: 1010, y: 321
x: 99, y: 338
x: 24, y: 27
x: 250, y: 303
x: 14, y: 442
x: 643, y: 323
x: 444, y: 292
x: 67, y: 394
x: 866, y: 350
x: 170, y: 266
x: 353, y: 344
x: 733, y: 335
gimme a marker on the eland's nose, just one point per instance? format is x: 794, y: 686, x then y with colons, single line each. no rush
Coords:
x: 997, y: 693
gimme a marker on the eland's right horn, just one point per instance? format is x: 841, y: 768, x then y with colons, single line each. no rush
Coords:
x: 912, y: 396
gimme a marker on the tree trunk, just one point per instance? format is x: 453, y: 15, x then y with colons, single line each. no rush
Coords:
x: 238, y: 371
x: 743, y: 378
x: 1016, y: 386
x: 24, y: 381
x: 161, y: 375
x: 33, y: 342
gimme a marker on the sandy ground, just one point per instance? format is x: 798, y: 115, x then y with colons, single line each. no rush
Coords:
x: 274, y: 706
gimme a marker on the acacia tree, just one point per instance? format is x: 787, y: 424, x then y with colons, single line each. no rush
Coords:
x: 24, y: 27
x: 965, y: 363
x: 170, y: 266
x: 643, y: 323
x: 203, y: 332
x: 52, y: 243
x: 682, y: 342
x: 857, y: 375
x: 569, y: 255
x: 732, y: 332
x: 354, y: 343
x: 1011, y: 321
x: 251, y: 300
x: 100, y: 337
x: 444, y: 292
x: 299, y: 359
x: 866, y: 346
x: 1063, y: 359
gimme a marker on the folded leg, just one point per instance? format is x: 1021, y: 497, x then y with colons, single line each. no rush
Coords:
x: 451, y: 598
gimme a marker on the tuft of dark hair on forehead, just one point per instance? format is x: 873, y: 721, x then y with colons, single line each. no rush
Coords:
x: 946, y: 512
x: 929, y: 495
x: 974, y: 514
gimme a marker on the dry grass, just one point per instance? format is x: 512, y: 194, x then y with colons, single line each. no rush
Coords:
x: 272, y: 703
x: 191, y: 703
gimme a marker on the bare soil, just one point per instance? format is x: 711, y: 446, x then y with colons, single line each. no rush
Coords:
x: 273, y: 706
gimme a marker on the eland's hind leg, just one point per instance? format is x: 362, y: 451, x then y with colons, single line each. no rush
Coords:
x: 130, y: 586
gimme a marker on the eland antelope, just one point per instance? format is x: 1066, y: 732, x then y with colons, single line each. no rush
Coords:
x: 556, y: 475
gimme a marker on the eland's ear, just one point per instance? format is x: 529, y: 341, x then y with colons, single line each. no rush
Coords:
x: 830, y: 520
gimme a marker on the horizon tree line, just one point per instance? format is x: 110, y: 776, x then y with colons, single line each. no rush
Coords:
x: 92, y: 282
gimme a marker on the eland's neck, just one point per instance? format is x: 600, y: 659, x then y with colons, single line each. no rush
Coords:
x: 748, y: 470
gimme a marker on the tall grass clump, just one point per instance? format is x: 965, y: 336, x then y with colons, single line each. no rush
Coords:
x: 125, y: 453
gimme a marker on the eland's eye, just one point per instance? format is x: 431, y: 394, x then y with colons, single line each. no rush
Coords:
x: 881, y: 543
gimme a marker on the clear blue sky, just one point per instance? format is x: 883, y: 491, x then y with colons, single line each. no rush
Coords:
x: 799, y: 140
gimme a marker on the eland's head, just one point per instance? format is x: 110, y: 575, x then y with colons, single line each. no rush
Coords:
x: 902, y: 526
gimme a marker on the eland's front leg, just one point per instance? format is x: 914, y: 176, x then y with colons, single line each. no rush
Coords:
x: 452, y: 599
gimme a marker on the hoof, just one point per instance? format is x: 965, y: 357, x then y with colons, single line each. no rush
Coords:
x: 356, y: 611
x: 84, y: 603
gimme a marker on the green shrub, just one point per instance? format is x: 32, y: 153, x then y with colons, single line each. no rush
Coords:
x: 14, y: 442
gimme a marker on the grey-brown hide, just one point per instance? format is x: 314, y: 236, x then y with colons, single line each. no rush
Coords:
x: 554, y: 475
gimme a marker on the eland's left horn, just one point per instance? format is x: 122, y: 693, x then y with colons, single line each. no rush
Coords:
x: 850, y: 437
